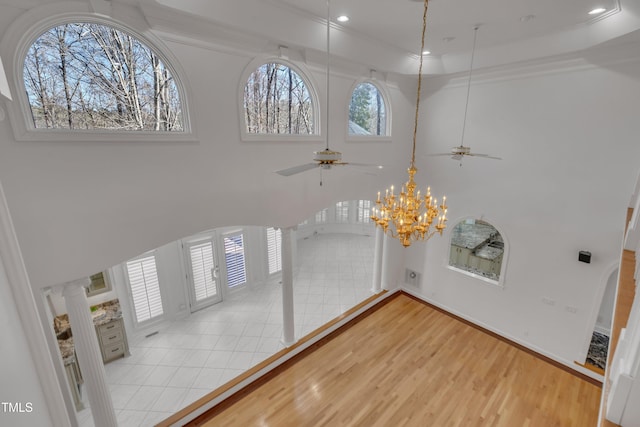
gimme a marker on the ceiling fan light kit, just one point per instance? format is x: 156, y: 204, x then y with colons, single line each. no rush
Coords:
x: 327, y: 156
x: 408, y: 216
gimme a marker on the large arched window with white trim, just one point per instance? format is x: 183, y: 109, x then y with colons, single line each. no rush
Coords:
x: 85, y: 76
x: 478, y: 249
x: 368, y: 111
x: 278, y: 100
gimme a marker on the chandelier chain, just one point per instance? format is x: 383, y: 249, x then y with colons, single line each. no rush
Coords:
x: 415, y: 122
x: 409, y: 216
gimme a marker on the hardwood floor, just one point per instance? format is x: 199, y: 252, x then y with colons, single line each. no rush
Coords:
x: 408, y: 364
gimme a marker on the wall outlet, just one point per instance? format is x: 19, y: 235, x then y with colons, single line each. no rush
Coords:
x: 548, y: 301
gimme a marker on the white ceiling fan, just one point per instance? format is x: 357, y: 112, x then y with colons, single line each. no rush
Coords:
x: 459, y: 152
x: 326, y: 158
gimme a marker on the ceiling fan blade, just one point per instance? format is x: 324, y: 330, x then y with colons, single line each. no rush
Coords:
x: 366, y: 168
x: 438, y: 154
x: 297, y: 169
x: 365, y: 165
x: 486, y: 156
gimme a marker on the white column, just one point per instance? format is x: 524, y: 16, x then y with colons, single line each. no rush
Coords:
x: 386, y: 267
x: 88, y: 353
x: 288, y: 326
x: 376, y: 287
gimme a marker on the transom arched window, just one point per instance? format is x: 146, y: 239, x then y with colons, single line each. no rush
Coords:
x: 85, y: 75
x: 344, y: 212
x: 277, y: 101
x: 367, y: 111
x: 477, y: 248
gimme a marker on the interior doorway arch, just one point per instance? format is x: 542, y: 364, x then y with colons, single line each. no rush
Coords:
x: 597, y: 342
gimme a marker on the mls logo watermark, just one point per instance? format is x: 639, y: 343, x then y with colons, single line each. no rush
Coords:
x: 17, y: 407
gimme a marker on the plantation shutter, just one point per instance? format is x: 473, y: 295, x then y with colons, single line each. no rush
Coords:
x: 145, y: 288
x: 202, y: 265
x: 234, y: 260
x: 321, y: 216
x: 342, y: 212
x: 364, y: 211
x: 274, y: 254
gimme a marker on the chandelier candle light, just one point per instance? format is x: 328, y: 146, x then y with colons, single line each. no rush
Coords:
x: 409, y: 216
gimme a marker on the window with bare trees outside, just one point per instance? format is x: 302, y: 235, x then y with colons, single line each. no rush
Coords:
x: 277, y: 101
x: 93, y: 76
x: 367, y: 111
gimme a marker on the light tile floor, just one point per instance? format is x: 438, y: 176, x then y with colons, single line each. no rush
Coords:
x: 189, y: 358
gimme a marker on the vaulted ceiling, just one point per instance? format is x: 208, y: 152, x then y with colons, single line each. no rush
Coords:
x: 385, y: 35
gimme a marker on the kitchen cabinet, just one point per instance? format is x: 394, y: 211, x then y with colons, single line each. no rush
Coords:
x: 112, y: 338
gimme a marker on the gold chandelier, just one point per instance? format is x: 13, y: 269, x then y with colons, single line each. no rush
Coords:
x: 409, y: 216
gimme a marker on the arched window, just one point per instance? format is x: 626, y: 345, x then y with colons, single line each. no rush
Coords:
x: 278, y: 101
x: 367, y: 111
x: 85, y: 75
x: 477, y: 248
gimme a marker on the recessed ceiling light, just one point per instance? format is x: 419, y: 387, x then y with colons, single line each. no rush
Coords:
x: 597, y: 10
x: 342, y: 18
x: 426, y: 52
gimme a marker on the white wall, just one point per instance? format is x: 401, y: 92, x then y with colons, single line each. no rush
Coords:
x: 20, y: 383
x: 82, y: 207
x: 568, y: 136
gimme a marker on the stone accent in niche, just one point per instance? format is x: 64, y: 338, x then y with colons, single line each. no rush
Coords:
x: 598, y: 349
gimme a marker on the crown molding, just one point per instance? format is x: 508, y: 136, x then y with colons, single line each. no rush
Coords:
x: 603, y: 56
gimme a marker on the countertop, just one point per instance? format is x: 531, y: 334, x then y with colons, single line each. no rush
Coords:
x: 471, y: 236
x: 101, y: 314
x: 476, y: 237
x: 489, y: 252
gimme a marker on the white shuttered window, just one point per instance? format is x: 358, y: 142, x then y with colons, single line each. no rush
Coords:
x: 364, y: 211
x: 274, y: 245
x: 145, y: 287
x: 342, y: 212
x: 234, y: 259
x: 321, y: 216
